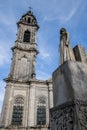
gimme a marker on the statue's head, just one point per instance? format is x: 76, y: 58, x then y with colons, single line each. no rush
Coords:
x: 62, y: 31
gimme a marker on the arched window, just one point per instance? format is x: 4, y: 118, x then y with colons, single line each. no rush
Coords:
x: 25, y: 18
x: 41, y: 111
x: 26, y: 36
x: 17, y: 115
x: 29, y: 20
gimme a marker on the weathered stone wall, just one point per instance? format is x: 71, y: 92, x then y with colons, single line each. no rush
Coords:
x: 69, y: 116
x: 80, y: 53
x: 70, y: 97
x: 70, y: 82
x: 30, y: 92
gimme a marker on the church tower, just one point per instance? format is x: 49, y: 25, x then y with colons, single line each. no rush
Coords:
x: 27, y: 100
x: 25, y: 51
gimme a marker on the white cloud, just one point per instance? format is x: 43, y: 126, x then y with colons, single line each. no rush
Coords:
x: 1, y: 97
x: 42, y: 75
x: 63, y: 11
x: 2, y: 91
x: 68, y: 17
x: 44, y: 54
x: 2, y: 85
x: 7, y: 19
x: 4, y: 54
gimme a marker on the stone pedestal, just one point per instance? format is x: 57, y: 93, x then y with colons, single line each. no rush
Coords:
x: 70, y: 97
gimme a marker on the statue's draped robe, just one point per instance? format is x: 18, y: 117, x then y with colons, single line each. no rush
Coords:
x: 66, y: 52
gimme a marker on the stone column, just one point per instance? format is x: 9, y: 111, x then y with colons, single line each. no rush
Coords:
x: 50, y: 95
x: 7, y: 106
x: 32, y: 106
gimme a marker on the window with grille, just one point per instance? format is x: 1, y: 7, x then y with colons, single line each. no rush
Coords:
x: 41, y: 115
x: 17, y: 115
x: 41, y: 111
x: 26, y: 36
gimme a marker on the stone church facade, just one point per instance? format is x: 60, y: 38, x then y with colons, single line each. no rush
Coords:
x: 27, y: 100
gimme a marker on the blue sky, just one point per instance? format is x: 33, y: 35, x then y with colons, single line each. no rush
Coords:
x: 51, y: 16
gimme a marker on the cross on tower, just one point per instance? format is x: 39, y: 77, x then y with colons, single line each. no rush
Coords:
x: 30, y: 9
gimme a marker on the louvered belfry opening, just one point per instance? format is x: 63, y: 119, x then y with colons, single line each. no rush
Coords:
x: 26, y: 36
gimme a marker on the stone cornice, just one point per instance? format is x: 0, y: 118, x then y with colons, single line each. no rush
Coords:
x: 30, y: 50
x: 25, y: 47
x: 31, y: 81
x: 15, y: 81
x: 36, y: 81
x: 33, y: 25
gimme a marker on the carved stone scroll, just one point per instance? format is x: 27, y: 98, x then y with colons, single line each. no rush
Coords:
x: 69, y: 116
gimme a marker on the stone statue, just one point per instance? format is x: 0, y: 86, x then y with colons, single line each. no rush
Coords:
x: 66, y: 52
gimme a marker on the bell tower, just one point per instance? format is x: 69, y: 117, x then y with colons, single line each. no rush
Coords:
x: 22, y: 70
x: 25, y: 49
x: 27, y: 100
